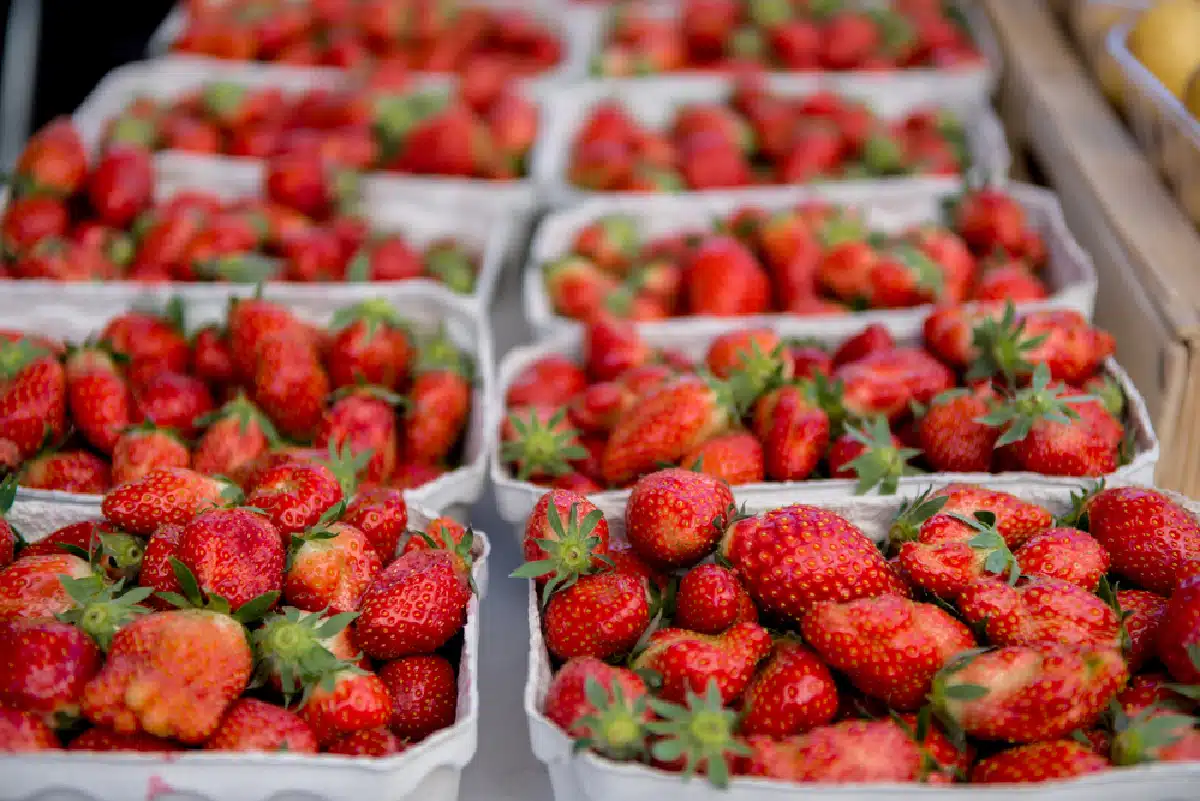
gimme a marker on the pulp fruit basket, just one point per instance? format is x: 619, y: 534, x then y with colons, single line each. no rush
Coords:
x: 1069, y: 272
x: 584, y: 776
x: 39, y: 512
x: 516, y: 499
x: 429, y: 771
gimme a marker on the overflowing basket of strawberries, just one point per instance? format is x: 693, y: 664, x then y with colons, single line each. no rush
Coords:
x: 660, y: 258
x: 373, y: 397
x: 964, y: 636
x: 241, y: 645
x: 1031, y: 396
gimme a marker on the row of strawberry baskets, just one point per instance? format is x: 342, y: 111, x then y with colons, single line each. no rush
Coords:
x: 537, y: 404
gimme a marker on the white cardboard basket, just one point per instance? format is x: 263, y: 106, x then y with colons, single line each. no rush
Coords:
x: 516, y: 499
x: 653, y: 102
x: 38, y: 512
x: 584, y: 776
x: 1069, y: 273
x: 978, y: 82
x: 429, y: 771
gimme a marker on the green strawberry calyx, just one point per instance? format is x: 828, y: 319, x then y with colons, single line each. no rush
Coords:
x: 906, y: 527
x: 290, y: 645
x: 616, y: 727
x: 570, y: 553
x: 1002, y: 347
x: 101, y: 609
x: 999, y: 559
x: 758, y: 373
x: 1037, y: 402
x: 1141, y: 738
x: 882, y: 464
x: 191, y: 596
x: 700, y: 733
x: 542, y: 448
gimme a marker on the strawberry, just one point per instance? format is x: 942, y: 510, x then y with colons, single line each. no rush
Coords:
x: 696, y: 737
x: 298, y: 649
x: 212, y: 362
x: 45, y: 667
x: 577, y: 288
x: 772, y: 555
x: 735, y: 458
x: 1027, y: 693
x: 8, y: 534
x: 382, y: 516
x: 234, y: 436
x: 31, y: 588
x: 665, y: 426
x: 598, y: 408
x: 1147, y: 535
x: 377, y: 742
x: 674, y: 517
x: 885, y: 383
x: 568, y: 703
x: 1141, y: 617
x: 100, y: 610
x: 157, y: 571
x: 600, y: 615
x: 859, y: 751
x: 161, y: 497
x: 290, y: 384
x: 868, y: 638
x: 439, y: 402
x: 98, y: 397
x: 687, y: 661
x: 1150, y: 690
x: 1066, y: 554
x: 329, y: 568
x: 23, y: 731
x: 558, y: 551
x: 1038, y: 762
x: 121, y: 185
x: 371, y: 345
x: 550, y: 381
x: 792, y: 693
x: 872, y: 339
x: 710, y: 599
x: 150, y: 342
x: 251, y: 321
x: 172, y: 400
x: 1010, y: 281
x: 952, y: 552
x: 67, y: 471
x: 187, y: 666
x: 145, y: 448
x: 295, y: 494
x: 253, y: 725
x: 424, y: 695
x: 951, y: 436
x: 362, y: 421
x: 1179, y: 629
x: 234, y: 554
x: 345, y: 701
x: 33, y: 397
x: 103, y: 739
x: 988, y: 219
x: 794, y: 432
x: 541, y: 446
x: 54, y: 161
x: 769, y: 757
x: 86, y: 536
x: 612, y: 347
x: 1039, y: 610
x: 1016, y: 520
x: 724, y: 279
x: 416, y: 604
x: 903, y: 276
x: 873, y: 456
x: 609, y: 242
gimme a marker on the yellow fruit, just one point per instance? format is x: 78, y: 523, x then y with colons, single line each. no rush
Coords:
x: 1191, y: 95
x: 1166, y: 39
x: 1090, y: 23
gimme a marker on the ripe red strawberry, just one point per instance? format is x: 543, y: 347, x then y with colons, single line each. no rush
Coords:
x: 1179, y: 628
x: 1072, y: 350
x: 772, y: 555
x: 989, y: 219
x: 886, y: 383
x: 439, y: 402
x: 187, y: 666
x: 565, y: 537
x: 31, y: 588
x: 1028, y: 693
x: 54, y: 161
x: 612, y: 347
x: 1039, y: 610
x: 33, y: 398
x: 330, y: 567
x: 8, y: 535
x: 424, y: 695
x: 173, y: 400
x: 121, y: 185
x: 295, y: 494
x: 724, y: 279
x: 600, y: 615
x: 794, y: 432
x: 251, y: 321
x: 235, y: 554
x: 253, y: 725
x: 1148, y: 536
x: 874, y: 338
x: 688, y: 661
x: 67, y: 471
x: 792, y: 693
x: 370, y: 346
x: 157, y: 572
x: 1039, y: 762
x: 212, y: 362
x: 890, y: 647
x: 1067, y: 554
x: 301, y: 179
x: 344, y: 702
x: 161, y: 497
x: 550, y: 381
x: 377, y: 742
x: 234, y: 436
x: 23, y: 731
x: 769, y: 757
x: 1011, y: 280
x: 1017, y: 520
x: 45, y: 667
x: 666, y: 425
x: 146, y: 448
x: 859, y: 751
x: 382, y: 516
x: 290, y: 384
x: 416, y: 604
x: 740, y: 351
x: 1142, y: 614
x: 675, y: 518
x: 363, y: 422
x: 610, y: 242
x: 118, y: 554
x: 103, y: 739
x: 951, y: 437
x: 710, y: 599
x: 952, y: 552
x: 577, y: 288
x: 298, y: 649
x: 735, y: 458
x: 598, y: 408
x: 98, y: 397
